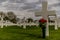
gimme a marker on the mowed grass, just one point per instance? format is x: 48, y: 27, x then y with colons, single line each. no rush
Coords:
x: 30, y: 33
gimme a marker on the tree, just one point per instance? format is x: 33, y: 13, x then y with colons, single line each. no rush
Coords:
x: 49, y: 20
x: 12, y: 17
x: 2, y: 15
x: 6, y: 18
x: 30, y: 20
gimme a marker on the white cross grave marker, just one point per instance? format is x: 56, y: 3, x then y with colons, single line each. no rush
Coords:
x: 45, y: 14
x: 2, y: 16
x: 1, y: 22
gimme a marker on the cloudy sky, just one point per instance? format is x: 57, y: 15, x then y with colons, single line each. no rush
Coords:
x: 28, y: 5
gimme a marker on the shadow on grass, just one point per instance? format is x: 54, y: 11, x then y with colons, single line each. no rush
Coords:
x: 33, y: 35
x: 20, y: 31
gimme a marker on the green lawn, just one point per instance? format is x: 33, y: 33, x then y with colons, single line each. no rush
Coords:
x: 31, y: 33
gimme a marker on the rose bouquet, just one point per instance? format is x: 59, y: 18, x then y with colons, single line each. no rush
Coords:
x: 42, y: 23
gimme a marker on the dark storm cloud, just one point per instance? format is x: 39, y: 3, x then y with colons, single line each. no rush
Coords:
x: 17, y: 1
x: 2, y: 1
x: 17, y: 6
x: 29, y: 6
x: 20, y: 1
x: 24, y: 5
x: 55, y: 5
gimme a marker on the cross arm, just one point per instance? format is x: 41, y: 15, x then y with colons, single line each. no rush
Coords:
x: 38, y: 14
x: 51, y: 13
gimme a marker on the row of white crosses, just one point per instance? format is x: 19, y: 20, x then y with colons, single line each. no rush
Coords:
x: 8, y: 23
x: 2, y: 22
x: 25, y: 23
x: 45, y: 14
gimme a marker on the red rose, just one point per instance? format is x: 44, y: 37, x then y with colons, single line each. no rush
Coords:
x: 42, y: 20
